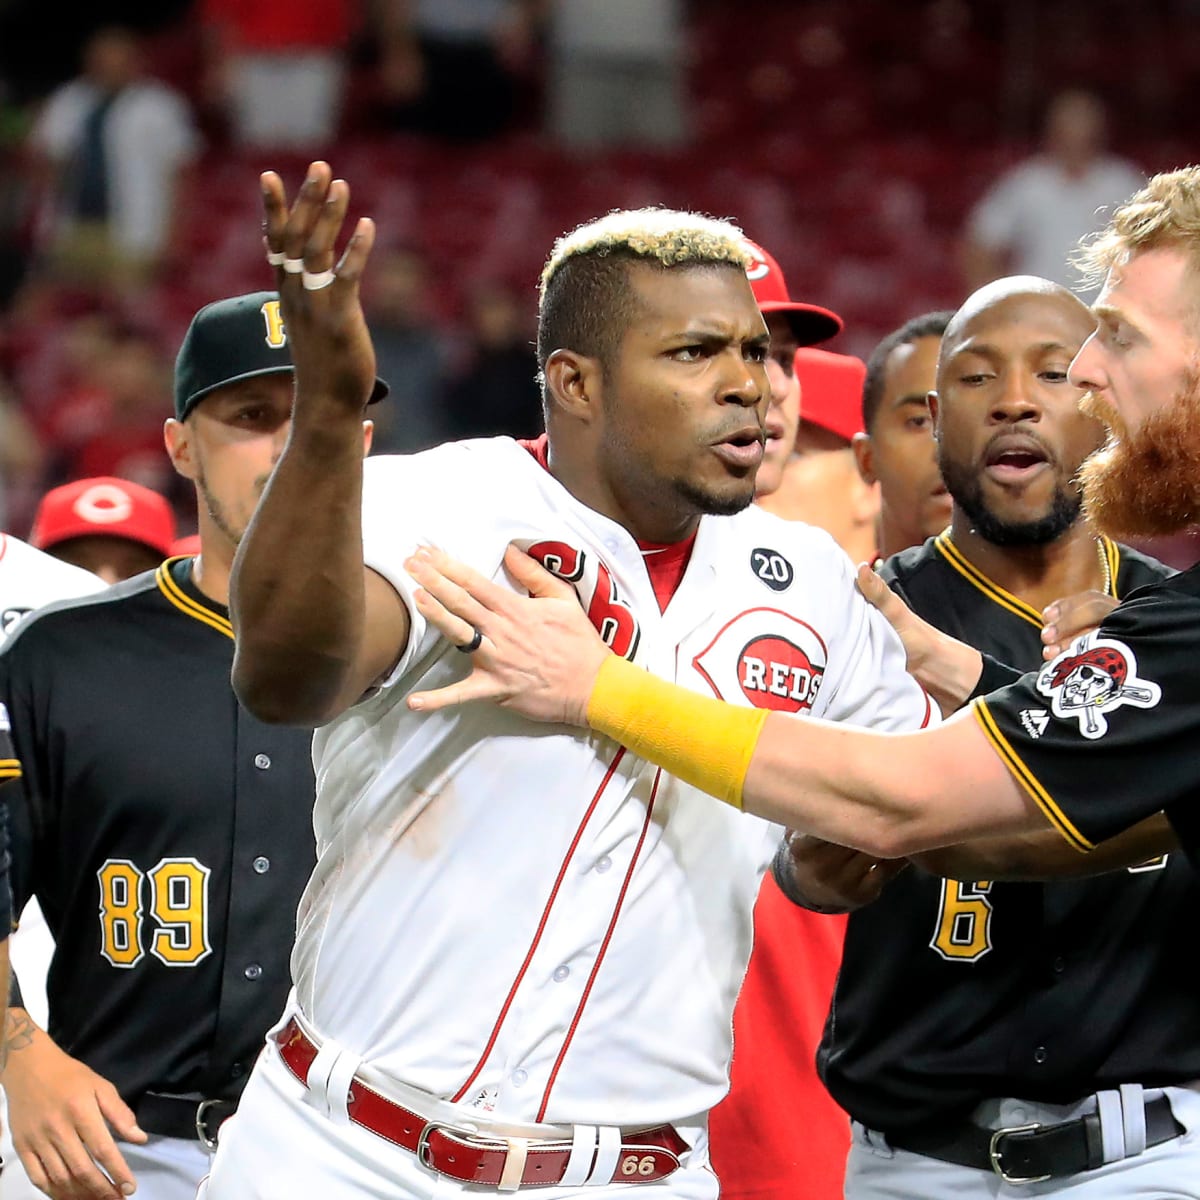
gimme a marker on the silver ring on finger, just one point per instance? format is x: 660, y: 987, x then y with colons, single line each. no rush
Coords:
x: 293, y: 266
x: 276, y: 258
x: 314, y: 281
x: 474, y: 644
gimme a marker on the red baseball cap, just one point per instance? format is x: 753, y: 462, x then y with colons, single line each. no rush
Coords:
x: 810, y: 323
x: 189, y: 545
x: 104, y: 507
x: 831, y: 390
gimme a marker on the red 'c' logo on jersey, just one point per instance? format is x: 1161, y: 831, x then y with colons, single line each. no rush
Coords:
x: 776, y: 674
x: 766, y: 657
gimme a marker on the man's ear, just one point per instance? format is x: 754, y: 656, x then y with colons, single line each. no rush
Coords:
x: 864, y: 456
x: 931, y: 398
x: 177, y: 437
x: 368, y: 436
x: 573, y: 384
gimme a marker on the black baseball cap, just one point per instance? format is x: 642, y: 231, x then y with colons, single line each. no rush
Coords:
x: 235, y: 339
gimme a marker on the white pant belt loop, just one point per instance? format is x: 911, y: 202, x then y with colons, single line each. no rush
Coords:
x: 607, y: 1153
x: 1133, y: 1111
x: 583, y: 1151
x: 1112, y: 1125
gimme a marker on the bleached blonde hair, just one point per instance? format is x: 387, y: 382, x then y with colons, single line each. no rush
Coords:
x: 586, y: 302
x: 663, y: 235
x: 1165, y: 213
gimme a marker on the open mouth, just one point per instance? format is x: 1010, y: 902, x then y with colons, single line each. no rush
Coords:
x: 1015, y: 459
x: 743, y: 448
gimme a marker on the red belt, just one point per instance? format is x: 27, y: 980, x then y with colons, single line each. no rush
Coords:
x: 646, y: 1155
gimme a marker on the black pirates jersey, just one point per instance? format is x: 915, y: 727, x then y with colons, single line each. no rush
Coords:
x: 166, y: 833
x: 952, y: 992
x: 1106, y: 734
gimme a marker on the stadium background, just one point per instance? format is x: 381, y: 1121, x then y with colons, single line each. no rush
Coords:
x: 851, y: 137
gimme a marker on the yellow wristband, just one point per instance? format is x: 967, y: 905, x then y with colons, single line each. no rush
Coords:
x: 700, y: 740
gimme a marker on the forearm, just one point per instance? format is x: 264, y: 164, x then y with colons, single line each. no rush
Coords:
x: 19, y: 1032
x: 297, y: 591
x: 890, y: 795
x: 1047, y: 855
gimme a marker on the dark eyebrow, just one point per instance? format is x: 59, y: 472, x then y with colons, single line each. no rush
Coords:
x: 912, y: 399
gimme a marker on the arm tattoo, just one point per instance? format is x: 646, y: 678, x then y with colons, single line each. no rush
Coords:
x: 18, y: 1034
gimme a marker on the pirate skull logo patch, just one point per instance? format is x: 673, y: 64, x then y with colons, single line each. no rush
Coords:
x: 1092, y: 679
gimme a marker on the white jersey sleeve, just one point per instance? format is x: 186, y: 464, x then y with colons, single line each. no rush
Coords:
x: 394, y: 527
x: 869, y: 683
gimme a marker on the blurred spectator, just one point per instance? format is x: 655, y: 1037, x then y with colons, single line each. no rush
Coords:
x: 21, y: 456
x: 897, y: 449
x: 113, y: 424
x: 277, y: 67
x: 189, y: 544
x: 454, y: 68
x: 616, y: 74
x: 410, y: 353
x: 112, y: 147
x: 821, y: 484
x: 112, y: 527
x: 497, y: 392
x: 1033, y: 217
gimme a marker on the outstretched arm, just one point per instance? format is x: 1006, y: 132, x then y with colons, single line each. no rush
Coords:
x: 315, y: 628
x: 887, y: 794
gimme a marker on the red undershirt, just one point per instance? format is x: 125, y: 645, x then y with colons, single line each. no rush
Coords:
x: 665, y: 562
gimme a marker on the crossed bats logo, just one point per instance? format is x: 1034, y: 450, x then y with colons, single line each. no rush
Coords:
x: 1093, y: 678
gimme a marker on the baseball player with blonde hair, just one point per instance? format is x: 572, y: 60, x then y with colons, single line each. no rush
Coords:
x: 519, y: 951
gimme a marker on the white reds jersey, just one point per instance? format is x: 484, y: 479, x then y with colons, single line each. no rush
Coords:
x: 30, y: 578
x: 526, y: 917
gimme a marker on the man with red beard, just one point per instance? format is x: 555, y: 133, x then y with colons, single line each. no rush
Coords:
x: 952, y: 1001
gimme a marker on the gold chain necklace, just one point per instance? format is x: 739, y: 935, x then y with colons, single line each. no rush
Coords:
x: 1105, y: 566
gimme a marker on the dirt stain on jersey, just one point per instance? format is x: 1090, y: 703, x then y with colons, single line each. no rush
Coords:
x: 421, y: 829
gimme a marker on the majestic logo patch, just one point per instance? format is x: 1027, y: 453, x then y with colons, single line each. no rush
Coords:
x: 772, y: 568
x: 1092, y: 679
x: 1035, y: 721
x: 766, y: 658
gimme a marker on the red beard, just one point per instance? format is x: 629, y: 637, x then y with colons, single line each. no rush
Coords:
x: 1145, y: 484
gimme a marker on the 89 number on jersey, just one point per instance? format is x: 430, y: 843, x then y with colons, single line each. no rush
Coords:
x: 178, y: 908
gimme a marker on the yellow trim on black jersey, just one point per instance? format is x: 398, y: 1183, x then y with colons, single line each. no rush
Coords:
x: 1025, y: 777
x: 993, y: 591
x: 954, y: 556
x: 184, y: 602
x: 10, y: 768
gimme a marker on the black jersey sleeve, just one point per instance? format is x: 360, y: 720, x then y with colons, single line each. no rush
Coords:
x: 1105, y: 735
x: 10, y: 772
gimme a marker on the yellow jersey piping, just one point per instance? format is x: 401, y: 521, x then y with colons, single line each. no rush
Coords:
x: 1025, y: 777
x: 185, y: 604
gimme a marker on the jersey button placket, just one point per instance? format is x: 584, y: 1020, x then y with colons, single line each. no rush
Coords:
x: 262, y: 762
x: 261, y: 865
x: 253, y: 972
